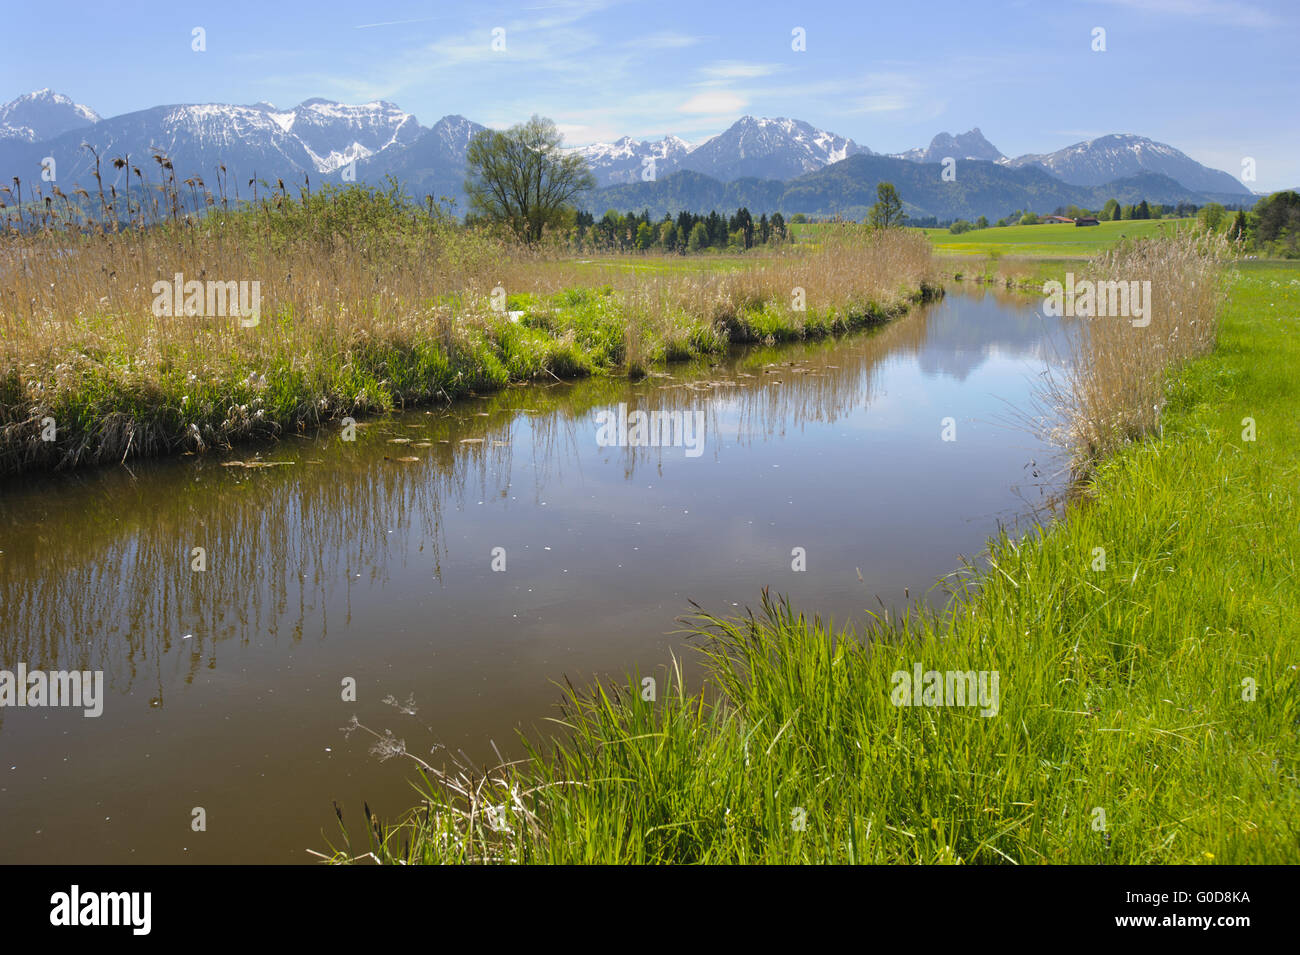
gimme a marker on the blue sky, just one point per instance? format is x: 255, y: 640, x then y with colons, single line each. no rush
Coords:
x: 1218, y: 79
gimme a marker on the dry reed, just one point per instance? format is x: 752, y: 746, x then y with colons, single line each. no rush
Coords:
x: 367, y: 302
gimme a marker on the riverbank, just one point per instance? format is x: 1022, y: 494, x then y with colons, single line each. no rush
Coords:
x: 1132, y: 666
x: 359, y: 305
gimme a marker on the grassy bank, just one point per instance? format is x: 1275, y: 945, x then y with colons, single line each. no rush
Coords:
x: 367, y: 304
x: 1147, y: 708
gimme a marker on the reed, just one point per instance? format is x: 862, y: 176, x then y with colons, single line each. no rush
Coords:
x: 367, y: 302
x: 1112, y: 391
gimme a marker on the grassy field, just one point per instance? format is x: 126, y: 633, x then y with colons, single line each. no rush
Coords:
x: 1148, y: 672
x: 1024, y: 257
x: 369, y: 304
x: 1050, y: 241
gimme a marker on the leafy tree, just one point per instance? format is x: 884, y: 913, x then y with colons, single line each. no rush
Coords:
x: 522, y: 178
x: 699, y: 237
x: 1211, y: 217
x: 645, y: 236
x: 982, y: 222
x: 1143, y: 211
x: 1029, y: 218
x: 887, y: 213
x: 960, y: 226
x: 1277, y: 220
x: 1111, y: 210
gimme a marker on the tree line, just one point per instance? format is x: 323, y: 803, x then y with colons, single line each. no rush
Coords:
x: 687, y: 232
x: 1112, y: 211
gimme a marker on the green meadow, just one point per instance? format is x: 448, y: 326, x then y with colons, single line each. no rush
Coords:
x: 1060, y: 241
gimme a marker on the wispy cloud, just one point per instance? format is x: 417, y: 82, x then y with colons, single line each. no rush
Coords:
x: 667, y: 40
x: 715, y: 101
x: 1229, y: 12
x: 736, y: 70
x: 393, y: 23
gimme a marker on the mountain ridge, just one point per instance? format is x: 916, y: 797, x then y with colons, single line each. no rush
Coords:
x: 320, y: 139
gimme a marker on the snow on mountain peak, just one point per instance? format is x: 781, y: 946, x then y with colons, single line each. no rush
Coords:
x: 43, y: 114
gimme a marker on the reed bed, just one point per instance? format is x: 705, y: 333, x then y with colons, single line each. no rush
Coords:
x: 1113, y: 389
x: 366, y: 302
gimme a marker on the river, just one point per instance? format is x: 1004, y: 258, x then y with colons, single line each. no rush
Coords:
x: 513, y: 551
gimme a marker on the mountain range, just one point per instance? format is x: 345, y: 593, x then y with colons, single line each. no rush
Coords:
x: 767, y: 164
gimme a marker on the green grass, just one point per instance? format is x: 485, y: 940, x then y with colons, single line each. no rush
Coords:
x: 1054, y: 241
x: 1123, y: 689
x: 658, y: 263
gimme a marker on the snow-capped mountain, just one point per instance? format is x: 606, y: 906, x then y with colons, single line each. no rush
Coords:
x: 315, y: 138
x: 769, y: 149
x: 968, y: 145
x: 1106, y: 158
x: 625, y: 159
x: 335, y: 142
x: 335, y: 134
x: 43, y: 115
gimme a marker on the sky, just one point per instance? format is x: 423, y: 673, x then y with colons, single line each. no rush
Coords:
x: 1218, y: 79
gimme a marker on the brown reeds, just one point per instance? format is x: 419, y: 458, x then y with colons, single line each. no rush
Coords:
x: 1113, y: 389
x: 367, y: 302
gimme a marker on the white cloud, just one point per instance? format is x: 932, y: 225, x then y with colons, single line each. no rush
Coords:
x: 715, y: 101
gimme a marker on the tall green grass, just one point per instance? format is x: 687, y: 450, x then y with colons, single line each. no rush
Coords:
x: 1149, y: 706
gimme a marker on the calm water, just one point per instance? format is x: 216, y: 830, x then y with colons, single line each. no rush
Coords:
x: 223, y: 687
